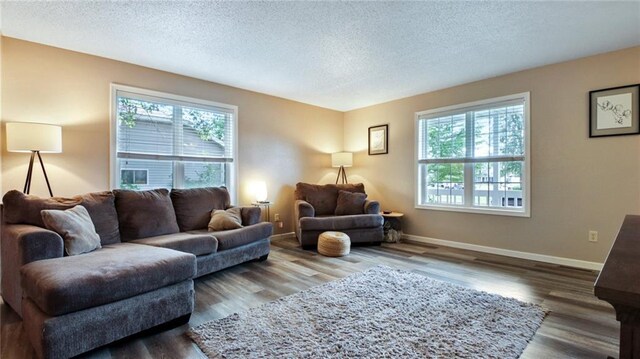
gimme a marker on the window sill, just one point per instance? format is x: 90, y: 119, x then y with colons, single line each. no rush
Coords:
x: 491, y: 211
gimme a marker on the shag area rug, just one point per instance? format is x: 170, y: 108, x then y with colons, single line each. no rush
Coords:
x: 379, y: 313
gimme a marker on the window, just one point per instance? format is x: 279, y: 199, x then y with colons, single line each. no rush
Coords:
x: 164, y: 140
x: 132, y: 177
x: 474, y: 157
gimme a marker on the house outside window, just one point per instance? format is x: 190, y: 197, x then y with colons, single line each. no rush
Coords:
x: 474, y: 157
x: 161, y: 140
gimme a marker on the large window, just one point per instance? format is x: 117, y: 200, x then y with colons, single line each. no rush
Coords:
x: 474, y: 157
x: 164, y: 140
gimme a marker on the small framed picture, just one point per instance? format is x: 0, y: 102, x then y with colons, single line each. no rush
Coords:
x: 614, y: 111
x: 378, y: 140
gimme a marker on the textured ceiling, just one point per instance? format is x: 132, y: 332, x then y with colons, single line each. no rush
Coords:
x: 340, y: 55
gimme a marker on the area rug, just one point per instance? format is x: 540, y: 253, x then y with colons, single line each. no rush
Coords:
x: 379, y: 313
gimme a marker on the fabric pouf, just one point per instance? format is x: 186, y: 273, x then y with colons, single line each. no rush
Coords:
x: 334, y: 244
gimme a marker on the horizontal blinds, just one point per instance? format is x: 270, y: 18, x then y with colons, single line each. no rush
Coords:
x: 146, y: 156
x: 473, y: 160
x: 159, y: 128
x: 487, y: 133
x: 461, y: 110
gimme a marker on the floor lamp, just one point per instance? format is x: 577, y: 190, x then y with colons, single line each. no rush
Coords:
x: 342, y: 160
x: 35, y: 138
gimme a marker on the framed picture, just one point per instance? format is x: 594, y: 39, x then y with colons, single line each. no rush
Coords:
x: 378, y: 140
x: 614, y: 111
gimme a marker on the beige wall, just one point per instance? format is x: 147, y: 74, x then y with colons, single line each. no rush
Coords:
x: 280, y: 141
x: 578, y: 184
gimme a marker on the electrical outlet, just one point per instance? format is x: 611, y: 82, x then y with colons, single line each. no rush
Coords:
x: 280, y: 224
x: 276, y: 217
x: 593, y: 236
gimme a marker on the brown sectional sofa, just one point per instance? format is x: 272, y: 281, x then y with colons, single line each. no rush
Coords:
x: 153, y: 244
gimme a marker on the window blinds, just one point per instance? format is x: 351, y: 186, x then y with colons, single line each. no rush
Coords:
x: 493, y: 133
x: 155, y: 128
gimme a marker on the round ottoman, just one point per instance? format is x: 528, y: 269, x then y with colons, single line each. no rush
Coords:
x: 334, y: 244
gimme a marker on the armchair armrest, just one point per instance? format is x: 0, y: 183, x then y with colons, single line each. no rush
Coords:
x: 250, y: 215
x: 27, y: 243
x: 304, y: 209
x: 371, y: 207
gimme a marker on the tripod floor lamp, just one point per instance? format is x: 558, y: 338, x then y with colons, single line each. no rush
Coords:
x: 34, y: 138
x: 342, y: 160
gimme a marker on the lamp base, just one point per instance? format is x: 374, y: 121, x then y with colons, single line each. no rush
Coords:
x: 27, y: 182
x: 342, y: 174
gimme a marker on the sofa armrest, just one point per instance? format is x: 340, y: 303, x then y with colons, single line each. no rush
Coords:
x: 371, y: 207
x: 304, y: 209
x: 250, y: 215
x: 31, y: 243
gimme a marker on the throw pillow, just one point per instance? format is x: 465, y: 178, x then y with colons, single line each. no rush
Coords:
x: 222, y: 220
x: 193, y: 206
x: 350, y: 203
x: 143, y: 214
x: 75, y: 227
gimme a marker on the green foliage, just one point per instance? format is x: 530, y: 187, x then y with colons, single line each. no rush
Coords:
x: 513, y: 144
x: 128, y: 110
x: 208, y: 125
x: 129, y: 186
x: 445, y: 140
x: 211, y: 175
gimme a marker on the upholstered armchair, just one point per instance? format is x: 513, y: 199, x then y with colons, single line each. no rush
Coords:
x: 340, y: 207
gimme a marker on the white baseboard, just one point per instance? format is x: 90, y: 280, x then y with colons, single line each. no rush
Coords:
x: 569, y: 262
x: 283, y: 235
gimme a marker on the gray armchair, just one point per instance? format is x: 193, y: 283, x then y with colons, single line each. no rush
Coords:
x: 342, y: 208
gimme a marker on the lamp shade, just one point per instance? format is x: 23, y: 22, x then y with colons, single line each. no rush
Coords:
x: 27, y: 137
x: 344, y: 159
x: 260, y: 191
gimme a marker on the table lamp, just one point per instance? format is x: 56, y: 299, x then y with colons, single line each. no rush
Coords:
x: 260, y: 191
x: 34, y: 138
x: 342, y: 160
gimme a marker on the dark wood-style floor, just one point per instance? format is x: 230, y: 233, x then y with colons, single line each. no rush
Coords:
x: 579, y: 325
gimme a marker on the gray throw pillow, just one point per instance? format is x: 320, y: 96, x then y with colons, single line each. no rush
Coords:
x: 222, y: 220
x: 350, y: 203
x: 75, y: 227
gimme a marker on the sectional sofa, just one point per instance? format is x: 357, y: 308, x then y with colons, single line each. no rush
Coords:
x: 153, y: 243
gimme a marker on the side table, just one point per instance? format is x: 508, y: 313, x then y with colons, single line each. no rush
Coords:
x: 266, y: 205
x: 392, y: 226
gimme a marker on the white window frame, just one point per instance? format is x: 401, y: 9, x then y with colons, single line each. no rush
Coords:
x: 114, y: 174
x: 468, y: 207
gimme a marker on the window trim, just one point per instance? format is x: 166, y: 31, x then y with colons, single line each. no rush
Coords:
x: 526, y: 210
x: 113, y: 125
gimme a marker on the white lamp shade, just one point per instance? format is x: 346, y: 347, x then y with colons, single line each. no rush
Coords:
x: 344, y: 159
x: 260, y: 191
x: 27, y: 137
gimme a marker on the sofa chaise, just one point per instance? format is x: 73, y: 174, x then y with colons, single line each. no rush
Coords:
x: 339, y: 207
x: 153, y: 243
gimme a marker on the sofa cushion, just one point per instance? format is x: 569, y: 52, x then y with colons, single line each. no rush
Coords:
x: 196, y: 244
x: 238, y: 237
x: 342, y: 222
x: 193, y: 206
x: 75, y: 227
x: 222, y: 220
x: 102, y: 209
x: 145, y: 213
x: 20, y: 208
x: 324, y: 198
x: 350, y: 203
x: 115, y: 272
